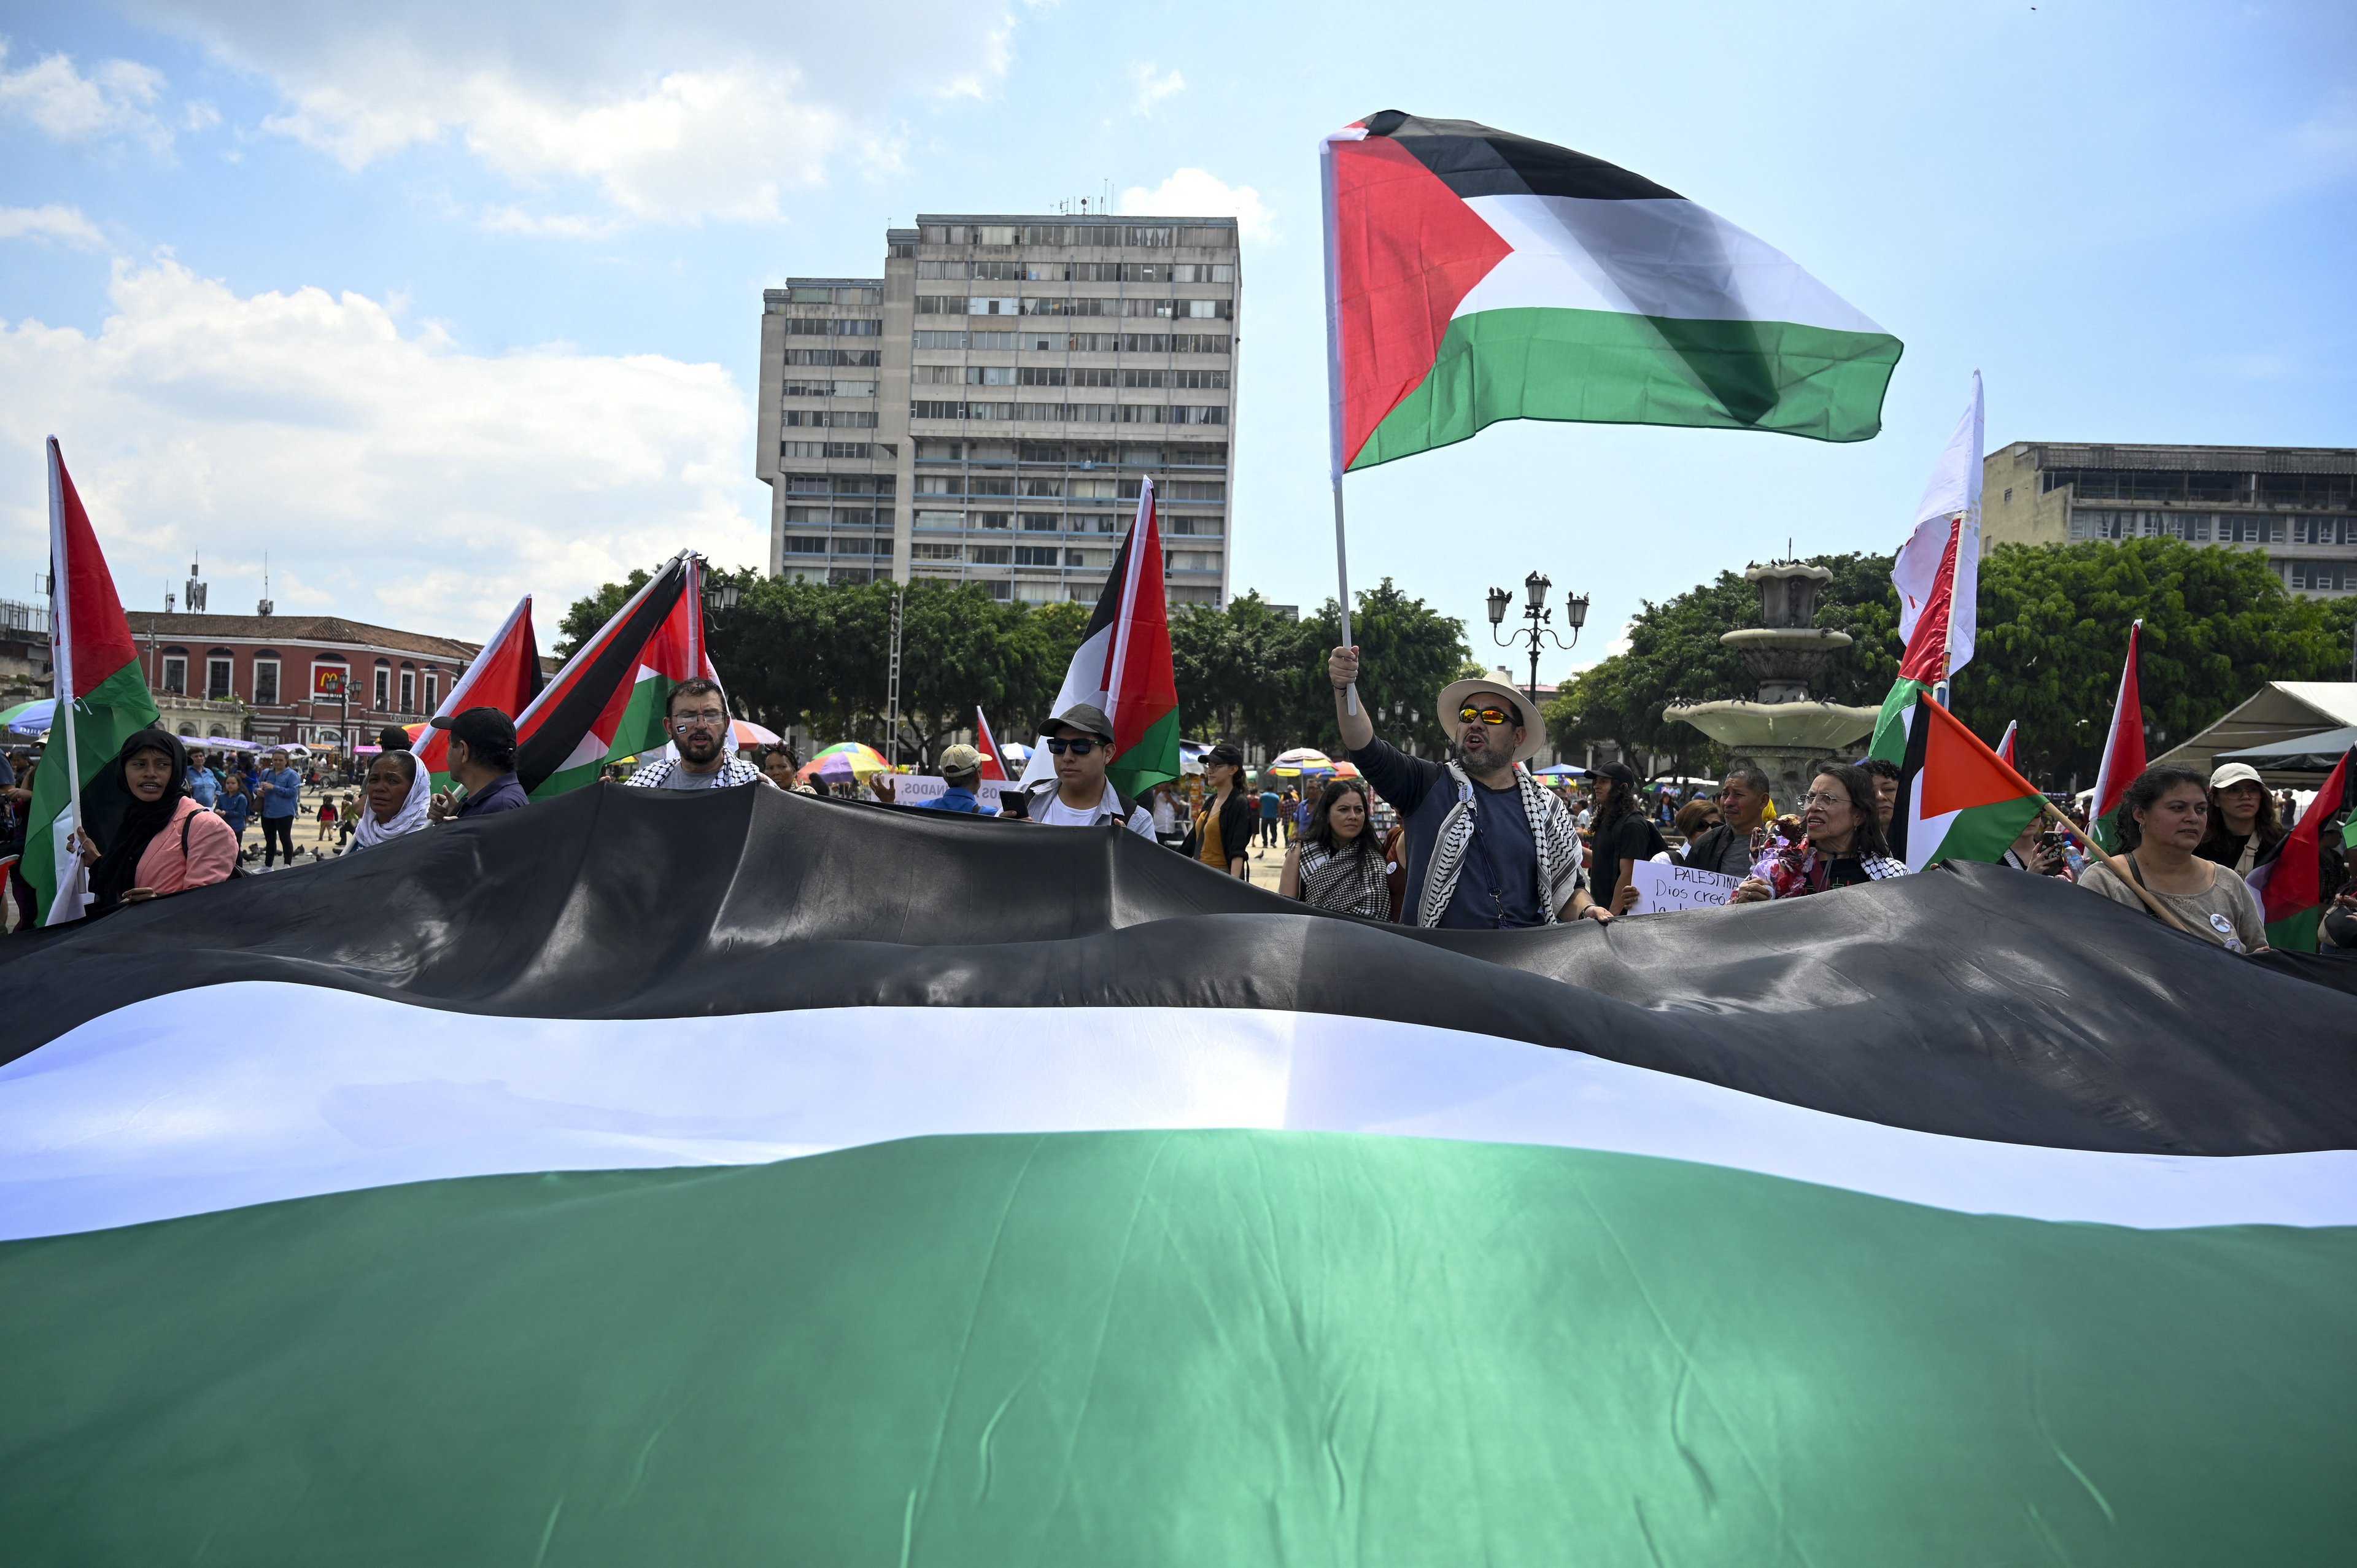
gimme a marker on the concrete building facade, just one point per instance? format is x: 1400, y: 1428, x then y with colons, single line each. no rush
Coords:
x: 2297, y: 504
x: 987, y: 410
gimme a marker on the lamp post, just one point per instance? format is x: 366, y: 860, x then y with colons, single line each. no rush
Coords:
x: 1540, y: 628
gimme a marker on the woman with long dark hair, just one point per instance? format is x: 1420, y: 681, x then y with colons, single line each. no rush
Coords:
x: 1621, y: 836
x: 162, y: 841
x: 1336, y: 863
x: 1841, y: 843
x: 2164, y: 818
x: 2243, y: 821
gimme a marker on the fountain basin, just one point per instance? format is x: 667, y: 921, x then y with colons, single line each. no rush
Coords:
x: 1744, y: 726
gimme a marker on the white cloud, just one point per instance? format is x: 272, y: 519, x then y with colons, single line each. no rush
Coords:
x: 667, y: 114
x: 65, y: 224
x: 1148, y: 88
x: 1193, y: 193
x: 117, y: 99
x: 392, y: 476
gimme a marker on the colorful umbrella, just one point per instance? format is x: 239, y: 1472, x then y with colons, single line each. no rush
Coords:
x: 844, y: 759
x: 751, y: 733
x: 29, y: 718
x: 1302, y: 761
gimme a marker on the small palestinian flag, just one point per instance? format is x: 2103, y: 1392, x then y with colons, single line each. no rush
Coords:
x: 1475, y: 275
x: 505, y: 675
x: 2008, y: 745
x: 2290, y: 878
x: 1957, y: 798
x: 608, y: 702
x: 739, y: 1178
x: 1123, y: 666
x: 994, y: 765
x: 2124, y: 755
x: 1925, y: 662
x: 103, y: 701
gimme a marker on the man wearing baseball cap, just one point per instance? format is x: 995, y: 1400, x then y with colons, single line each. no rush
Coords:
x: 1487, y: 847
x: 1080, y: 739
x: 962, y: 771
x: 482, y: 761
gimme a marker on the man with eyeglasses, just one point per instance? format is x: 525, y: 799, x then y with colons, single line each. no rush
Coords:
x: 1080, y: 739
x: 696, y: 715
x: 1487, y: 847
x: 1730, y: 848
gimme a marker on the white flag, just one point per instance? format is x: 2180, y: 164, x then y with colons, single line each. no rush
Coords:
x: 1955, y: 491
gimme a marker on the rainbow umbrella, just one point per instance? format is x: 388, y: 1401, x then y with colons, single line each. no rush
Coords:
x: 844, y: 759
x: 751, y: 733
x: 1302, y: 762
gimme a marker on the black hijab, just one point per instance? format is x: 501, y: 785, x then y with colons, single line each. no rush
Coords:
x: 117, y: 870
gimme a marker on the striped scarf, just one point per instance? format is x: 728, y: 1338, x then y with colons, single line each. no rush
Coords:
x: 1551, y: 827
x: 1351, y: 882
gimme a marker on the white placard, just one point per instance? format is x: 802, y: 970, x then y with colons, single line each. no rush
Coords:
x: 916, y: 789
x: 1662, y: 889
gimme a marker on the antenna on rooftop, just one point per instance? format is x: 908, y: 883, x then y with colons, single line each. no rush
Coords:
x: 195, y: 597
x: 266, y: 606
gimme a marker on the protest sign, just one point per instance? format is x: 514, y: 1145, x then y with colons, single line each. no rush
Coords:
x: 1663, y: 888
x: 916, y: 789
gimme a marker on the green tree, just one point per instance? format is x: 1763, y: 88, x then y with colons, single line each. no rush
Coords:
x: 1235, y: 671
x: 594, y: 610
x: 1407, y: 652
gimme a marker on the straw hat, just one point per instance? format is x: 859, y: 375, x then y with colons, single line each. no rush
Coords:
x: 1453, y: 695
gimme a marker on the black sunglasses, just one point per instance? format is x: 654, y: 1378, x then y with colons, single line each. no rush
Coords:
x: 1079, y: 745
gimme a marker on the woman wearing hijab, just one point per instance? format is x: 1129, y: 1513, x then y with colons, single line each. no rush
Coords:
x: 397, y: 795
x: 164, y: 842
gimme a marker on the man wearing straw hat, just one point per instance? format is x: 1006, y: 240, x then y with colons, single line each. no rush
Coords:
x: 1487, y: 848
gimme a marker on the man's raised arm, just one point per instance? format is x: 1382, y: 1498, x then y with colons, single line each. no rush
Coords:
x: 1343, y: 668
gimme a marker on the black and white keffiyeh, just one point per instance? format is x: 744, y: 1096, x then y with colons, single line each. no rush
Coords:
x: 1559, y: 853
x: 1350, y: 883
x: 733, y: 772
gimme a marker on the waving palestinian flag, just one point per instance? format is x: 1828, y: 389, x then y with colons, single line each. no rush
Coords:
x: 1475, y: 275
x: 1925, y: 662
x: 2124, y: 753
x: 740, y: 1177
x: 505, y: 675
x: 608, y: 702
x: 2290, y: 877
x: 1123, y: 666
x: 1957, y: 798
x: 103, y: 701
x: 994, y: 765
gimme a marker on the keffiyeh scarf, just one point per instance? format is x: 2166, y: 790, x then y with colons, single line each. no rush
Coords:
x: 1551, y: 828
x: 1352, y: 883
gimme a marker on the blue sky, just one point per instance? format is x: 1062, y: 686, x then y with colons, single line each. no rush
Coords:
x: 438, y: 304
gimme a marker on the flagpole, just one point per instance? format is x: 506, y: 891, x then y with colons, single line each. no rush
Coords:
x: 1334, y: 395
x: 2115, y: 865
x: 61, y: 638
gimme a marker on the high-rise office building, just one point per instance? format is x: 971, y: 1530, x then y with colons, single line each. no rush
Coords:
x: 985, y: 410
x: 2296, y: 503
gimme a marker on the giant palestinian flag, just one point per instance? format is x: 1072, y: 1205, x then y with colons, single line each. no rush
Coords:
x: 608, y: 702
x: 1475, y: 275
x: 1123, y: 666
x: 616, y: 1183
x: 1957, y: 798
x: 2298, y: 875
x: 505, y: 675
x: 2123, y: 750
x: 98, y: 678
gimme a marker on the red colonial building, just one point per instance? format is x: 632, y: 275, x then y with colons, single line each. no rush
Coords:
x: 280, y: 679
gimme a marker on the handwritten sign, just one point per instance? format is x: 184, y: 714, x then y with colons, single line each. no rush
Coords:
x: 916, y: 789
x: 1663, y: 889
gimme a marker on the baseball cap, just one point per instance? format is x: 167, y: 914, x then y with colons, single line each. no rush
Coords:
x: 960, y: 760
x: 1085, y: 718
x: 483, y: 729
x: 2235, y: 773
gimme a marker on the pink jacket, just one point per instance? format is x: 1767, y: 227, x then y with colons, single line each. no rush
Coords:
x: 212, y: 850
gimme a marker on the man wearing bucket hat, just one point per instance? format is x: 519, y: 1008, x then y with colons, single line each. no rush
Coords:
x: 1487, y: 848
x: 1079, y: 740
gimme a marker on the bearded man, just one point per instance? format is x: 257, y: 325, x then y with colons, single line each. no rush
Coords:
x: 1487, y: 848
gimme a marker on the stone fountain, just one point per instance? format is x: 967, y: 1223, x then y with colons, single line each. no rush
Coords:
x: 1782, y: 732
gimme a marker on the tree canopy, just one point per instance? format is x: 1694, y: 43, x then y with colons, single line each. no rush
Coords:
x: 2053, y: 631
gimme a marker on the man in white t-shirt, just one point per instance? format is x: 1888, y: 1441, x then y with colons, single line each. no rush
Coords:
x: 1080, y: 740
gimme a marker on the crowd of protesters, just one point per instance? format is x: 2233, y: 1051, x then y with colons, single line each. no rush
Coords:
x: 1477, y: 842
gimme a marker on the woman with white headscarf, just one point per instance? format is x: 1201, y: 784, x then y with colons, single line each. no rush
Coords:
x: 396, y: 796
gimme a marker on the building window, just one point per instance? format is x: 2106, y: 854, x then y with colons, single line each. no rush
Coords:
x: 408, y: 690
x: 1029, y: 555
x: 384, y: 685
x: 988, y: 554
x: 217, y: 678
x: 176, y: 674
x: 265, y: 682
x: 433, y: 690
x: 925, y: 552
x: 797, y: 544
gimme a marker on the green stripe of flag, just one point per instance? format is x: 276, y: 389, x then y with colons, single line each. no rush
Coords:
x: 112, y: 711
x: 1604, y: 366
x: 1153, y: 760
x: 1200, y: 1348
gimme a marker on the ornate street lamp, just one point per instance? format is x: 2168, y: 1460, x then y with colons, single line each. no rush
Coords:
x: 1540, y: 628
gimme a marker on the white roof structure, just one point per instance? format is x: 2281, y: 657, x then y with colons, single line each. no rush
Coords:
x: 2278, y: 711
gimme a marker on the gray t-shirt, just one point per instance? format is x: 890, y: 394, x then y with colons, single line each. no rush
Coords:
x: 2226, y: 913
x: 680, y: 778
